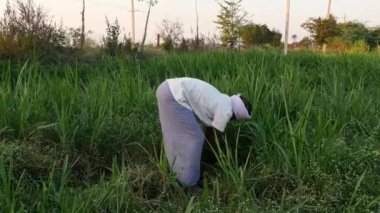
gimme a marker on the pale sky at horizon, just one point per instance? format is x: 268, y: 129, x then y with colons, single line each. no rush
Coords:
x: 269, y: 12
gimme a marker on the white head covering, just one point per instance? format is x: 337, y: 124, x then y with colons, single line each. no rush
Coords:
x: 239, y: 109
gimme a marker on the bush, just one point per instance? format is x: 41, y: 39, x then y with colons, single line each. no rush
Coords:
x: 111, y: 43
x: 171, y: 32
x: 378, y: 49
x: 256, y: 34
x: 168, y: 44
x: 359, y: 46
x: 26, y: 28
x: 338, y: 44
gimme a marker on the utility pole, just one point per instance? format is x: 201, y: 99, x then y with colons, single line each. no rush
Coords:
x: 287, y: 27
x: 328, y: 10
x: 324, y: 47
x: 197, y: 20
x: 133, y: 21
x: 82, y: 34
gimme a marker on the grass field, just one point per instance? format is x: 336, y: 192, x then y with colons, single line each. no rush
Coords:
x: 86, y: 137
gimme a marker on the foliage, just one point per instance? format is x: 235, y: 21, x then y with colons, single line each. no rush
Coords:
x: 75, y: 36
x: 355, y: 32
x: 229, y: 20
x: 26, y: 28
x: 338, y: 44
x: 184, y: 45
x: 321, y: 29
x: 90, y: 43
x: 360, y: 46
x: 305, y: 43
x: 255, y: 34
x: 111, y: 42
x: 171, y: 32
x: 205, y: 42
x: 168, y: 44
x: 352, y: 31
x: 343, y: 36
x: 374, y: 38
x: 211, y: 41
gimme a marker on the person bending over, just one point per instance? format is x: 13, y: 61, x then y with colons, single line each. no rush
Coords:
x: 185, y: 105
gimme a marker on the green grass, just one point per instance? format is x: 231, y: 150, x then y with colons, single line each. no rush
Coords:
x: 86, y: 137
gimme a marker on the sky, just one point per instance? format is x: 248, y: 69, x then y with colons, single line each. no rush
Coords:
x: 269, y: 12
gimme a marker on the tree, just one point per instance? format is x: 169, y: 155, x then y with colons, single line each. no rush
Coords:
x: 90, y: 43
x: 111, y: 41
x: 255, y: 34
x: 230, y: 19
x: 26, y: 28
x: 353, y: 31
x: 171, y: 32
x: 150, y: 4
x: 276, y: 38
x: 374, y: 38
x: 251, y: 35
x: 321, y: 29
x: 75, y: 38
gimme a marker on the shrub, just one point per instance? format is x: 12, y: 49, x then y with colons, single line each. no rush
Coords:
x: 111, y: 43
x: 168, y: 44
x: 378, y: 49
x: 171, y: 32
x: 26, y: 28
x: 338, y: 44
x: 359, y: 46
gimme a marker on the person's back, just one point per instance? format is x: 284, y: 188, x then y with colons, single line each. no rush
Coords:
x: 209, y: 105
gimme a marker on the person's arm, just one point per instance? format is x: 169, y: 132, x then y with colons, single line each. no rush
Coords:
x: 222, y: 116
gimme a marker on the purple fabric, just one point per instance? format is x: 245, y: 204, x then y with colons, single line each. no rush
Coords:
x: 239, y: 108
x: 183, y: 136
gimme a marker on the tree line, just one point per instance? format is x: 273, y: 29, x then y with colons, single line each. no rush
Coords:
x: 27, y: 29
x: 341, y: 36
x: 236, y: 29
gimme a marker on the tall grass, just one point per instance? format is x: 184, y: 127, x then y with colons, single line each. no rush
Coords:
x: 313, y: 143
